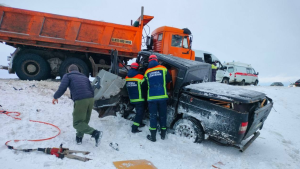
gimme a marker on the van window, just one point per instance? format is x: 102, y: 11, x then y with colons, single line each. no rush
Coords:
x: 160, y: 37
x: 249, y: 71
x: 241, y: 69
x: 176, y: 41
x: 253, y: 71
x: 230, y: 69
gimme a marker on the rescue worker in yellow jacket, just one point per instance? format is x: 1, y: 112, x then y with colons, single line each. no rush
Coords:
x: 213, y: 71
x: 136, y: 86
x: 157, y: 77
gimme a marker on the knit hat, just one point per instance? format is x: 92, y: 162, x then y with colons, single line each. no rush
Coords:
x: 72, y: 68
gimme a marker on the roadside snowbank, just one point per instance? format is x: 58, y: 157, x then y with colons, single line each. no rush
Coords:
x: 278, y: 146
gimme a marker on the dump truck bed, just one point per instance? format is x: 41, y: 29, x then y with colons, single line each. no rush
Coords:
x: 18, y: 26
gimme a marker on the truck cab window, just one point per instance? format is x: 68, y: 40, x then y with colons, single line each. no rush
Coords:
x: 160, y: 37
x: 185, y: 42
x: 176, y: 41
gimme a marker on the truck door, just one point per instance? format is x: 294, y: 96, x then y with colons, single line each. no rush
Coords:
x: 180, y: 46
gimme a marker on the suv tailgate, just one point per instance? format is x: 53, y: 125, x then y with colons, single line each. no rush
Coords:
x: 258, y: 117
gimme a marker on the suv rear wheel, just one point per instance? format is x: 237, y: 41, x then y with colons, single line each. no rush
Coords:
x: 190, y: 128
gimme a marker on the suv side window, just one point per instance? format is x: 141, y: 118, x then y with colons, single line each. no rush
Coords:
x: 176, y: 41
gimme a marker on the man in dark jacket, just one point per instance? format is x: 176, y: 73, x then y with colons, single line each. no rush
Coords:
x: 83, y: 96
x: 157, y: 77
x: 135, y: 84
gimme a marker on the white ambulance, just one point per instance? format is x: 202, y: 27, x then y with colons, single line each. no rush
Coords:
x: 241, y: 73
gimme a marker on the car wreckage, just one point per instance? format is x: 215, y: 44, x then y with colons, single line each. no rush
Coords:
x: 196, y: 106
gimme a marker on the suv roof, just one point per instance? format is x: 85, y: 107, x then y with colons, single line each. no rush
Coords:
x: 175, y: 61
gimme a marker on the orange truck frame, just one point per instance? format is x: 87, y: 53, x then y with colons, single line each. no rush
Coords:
x: 47, y: 44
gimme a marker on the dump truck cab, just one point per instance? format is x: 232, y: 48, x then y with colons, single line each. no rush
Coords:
x: 173, y: 41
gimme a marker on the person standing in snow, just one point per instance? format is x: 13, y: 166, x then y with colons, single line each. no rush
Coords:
x: 213, y: 71
x: 83, y: 96
x: 135, y: 84
x: 157, y: 77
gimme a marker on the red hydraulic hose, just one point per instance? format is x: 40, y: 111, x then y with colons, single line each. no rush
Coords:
x: 17, y: 118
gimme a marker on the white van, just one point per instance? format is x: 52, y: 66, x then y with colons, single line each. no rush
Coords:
x: 222, y: 75
x: 241, y: 73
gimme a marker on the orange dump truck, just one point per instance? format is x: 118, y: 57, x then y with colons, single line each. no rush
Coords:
x: 47, y: 44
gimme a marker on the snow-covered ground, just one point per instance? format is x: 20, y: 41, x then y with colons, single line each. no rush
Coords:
x: 278, y: 146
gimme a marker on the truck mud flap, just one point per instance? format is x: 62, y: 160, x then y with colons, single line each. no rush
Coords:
x: 244, y: 147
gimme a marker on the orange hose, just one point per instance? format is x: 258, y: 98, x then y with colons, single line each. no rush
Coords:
x: 16, y: 117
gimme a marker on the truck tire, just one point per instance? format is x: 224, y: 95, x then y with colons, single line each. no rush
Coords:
x: 242, y: 83
x: 83, y: 68
x: 190, y: 128
x: 32, y: 67
x: 225, y: 80
x: 255, y: 83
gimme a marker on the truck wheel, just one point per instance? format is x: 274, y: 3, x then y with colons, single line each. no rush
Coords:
x: 255, y: 83
x: 83, y: 68
x: 225, y: 80
x: 242, y: 83
x: 32, y: 67
x: 190, y: 128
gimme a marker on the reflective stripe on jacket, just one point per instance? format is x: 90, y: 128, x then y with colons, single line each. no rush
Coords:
x: 213, y: 66
x: 157, y: 85
x: 134, y: 88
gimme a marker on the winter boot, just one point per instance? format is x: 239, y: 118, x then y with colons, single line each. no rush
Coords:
x: 142, y: 125
x: 97, y: 135
x: 163, y: 133
x: 79, y: 140
x: 152, y: 137
x: 135, y: 129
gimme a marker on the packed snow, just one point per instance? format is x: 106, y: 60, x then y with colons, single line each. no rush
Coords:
x: 278, y: 146
x: 224, y: 91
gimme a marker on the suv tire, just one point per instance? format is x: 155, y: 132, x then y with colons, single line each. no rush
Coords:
x: 190, y: 128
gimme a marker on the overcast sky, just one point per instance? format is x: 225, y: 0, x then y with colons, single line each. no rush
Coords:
x: 263, y: 33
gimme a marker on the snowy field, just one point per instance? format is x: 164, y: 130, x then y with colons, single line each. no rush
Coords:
x: 278, y: 146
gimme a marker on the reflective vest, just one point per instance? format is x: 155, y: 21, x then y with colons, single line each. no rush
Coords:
x: 156, y: 79
x: 213, y: 66
x: 134, y: 89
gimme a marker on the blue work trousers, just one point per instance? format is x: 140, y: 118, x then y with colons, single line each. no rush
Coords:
x: 160, y: 107
x: 139, y: 109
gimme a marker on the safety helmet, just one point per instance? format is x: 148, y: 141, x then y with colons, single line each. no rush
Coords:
x: 152, y: 57
x: 134, y: 65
